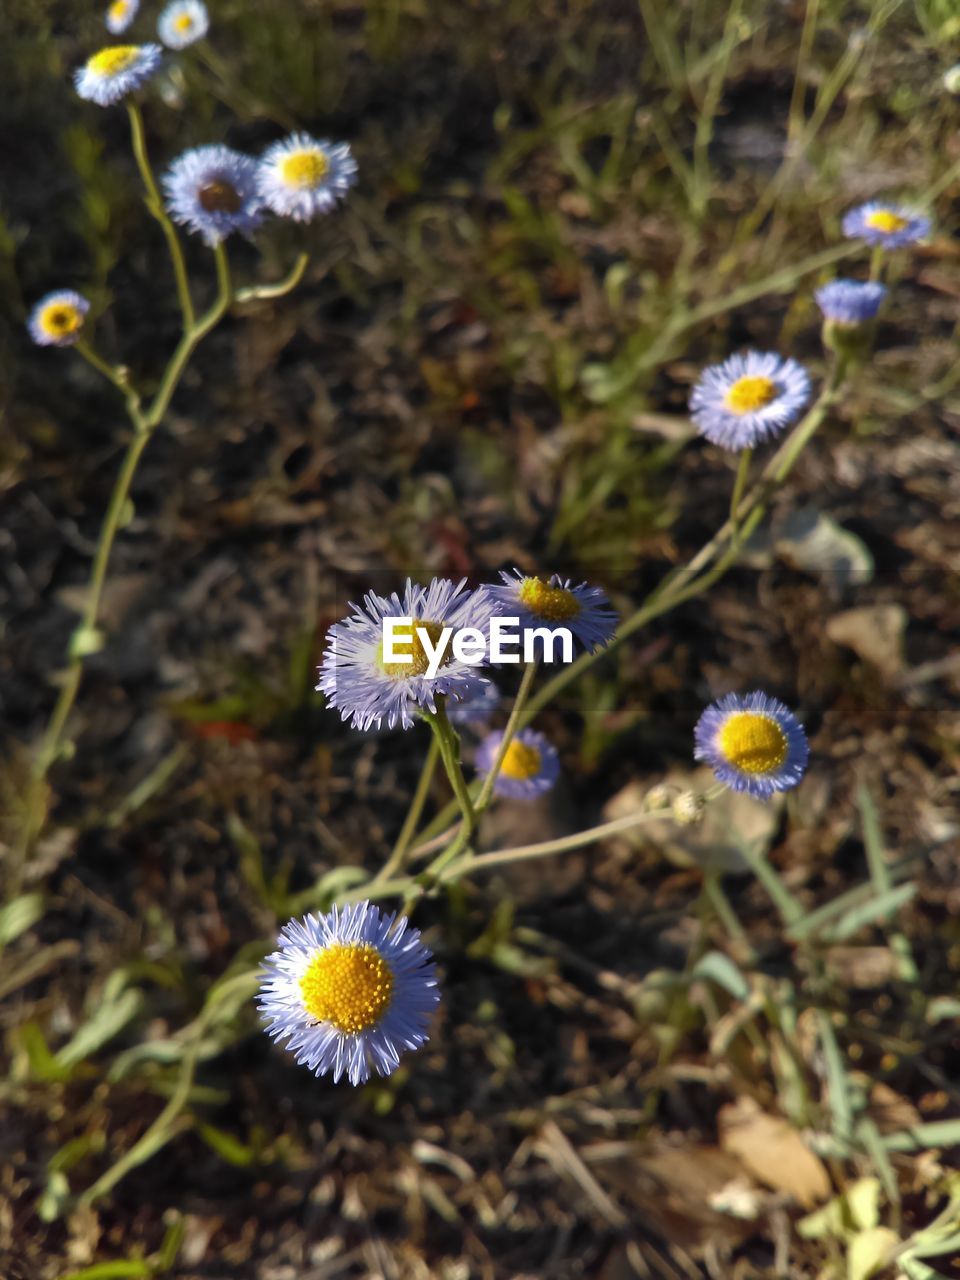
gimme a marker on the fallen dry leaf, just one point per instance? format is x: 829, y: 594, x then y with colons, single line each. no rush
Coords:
x: 772, y: 1150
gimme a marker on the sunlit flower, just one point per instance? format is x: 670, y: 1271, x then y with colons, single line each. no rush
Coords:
x: 368, y: 691
x: 530, y: 765
x: 752, y: 743
x: 882, y: 223
x: 183, y: 22
x: 349, y: 991
x: 120, y: 15
x: 749, y: 398
x: 476, y: 707
x: 303, y: 177
x: 116, y: 71
x: 951, y: 79
x: 850, y: 302
x: 57, y: 320
x: 549, y: 605
x: 213, y: 191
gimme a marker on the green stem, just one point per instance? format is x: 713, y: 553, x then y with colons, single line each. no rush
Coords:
x: 449, y: 747
x: 257, y: 292
x: 740, y: 483
x: 513, y: 723
x: 155, y: 206
x: 395, y: 862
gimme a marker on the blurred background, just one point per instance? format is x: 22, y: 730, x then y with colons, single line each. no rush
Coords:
x: 564, y: 211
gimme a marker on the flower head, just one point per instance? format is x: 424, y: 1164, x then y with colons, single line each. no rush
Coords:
x: 367, y: 690
x: 881, y: 223
x: 348, y: 991
x: 116, y: 71
x: 850, y: 302
x: 120, y: 14
x: 57, y: 320
x: 530, y: 766
x: 213, y: 191
x: 749, y: 398
x: 475, y: 707
x: 554, y: 604
x: 302, y: 177
x: 183, y: 22
x: 752, y: 743
x: 951, y: 79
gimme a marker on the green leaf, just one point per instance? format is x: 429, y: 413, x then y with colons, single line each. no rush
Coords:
x: 227, y: 1146
x: 20, y: 915
x: 878, y: 908
x: 720, y: 969
x: 869, y: 1252
x: 106, y: 1021
x: 129, y: 1270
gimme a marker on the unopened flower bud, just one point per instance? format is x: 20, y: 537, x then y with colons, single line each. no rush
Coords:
x: 688, y: 808
x: 658, y: 797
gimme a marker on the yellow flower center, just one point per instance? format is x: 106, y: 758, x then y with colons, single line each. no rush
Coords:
x: 60, y: 319
x: 553, y: 604
x: 521, y: 761
x: 887, y: 221
x: 753, y: 743
x: 406, y: 640
x: 304, y: 168
x: 750, y: 393
x: 118, y: 10
x: 219, y: 196
x: 183, y: 23
x: 110, y: 62
x: 349, y: 985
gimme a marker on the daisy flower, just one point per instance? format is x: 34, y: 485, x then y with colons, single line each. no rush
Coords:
x: 748, y: 399
x: 57, y: 320
x: 530, y: 765
x: 349, y: 991
x: 183, y: 22
x: 302, y: 177
x: 120, y: 14
x: 850, y: 302
x: 365, y: 689
x: 556, y: 604
x: 476, y: 707
x: 752, y: 743
x: 881, y: 223
x: 213, y: 191
x: 116, y: 71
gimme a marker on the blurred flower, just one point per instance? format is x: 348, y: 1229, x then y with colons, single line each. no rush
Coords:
x: 57, y: 320
x: 850, y: 301
x: 889, y: 225
x: 688, y: 808
x: 302, y: 177
x: 213, y: 191
x: 749, y: 398
x: 476, y: 707
x: 583, y: 610
x: 530, y: 765
x: 348, y: 991
x: 183, y: 22
x: 120, y: 14
x: 951, y: 79
x: 365, y: 689
x: 752, y: 743
x: 116, y: 71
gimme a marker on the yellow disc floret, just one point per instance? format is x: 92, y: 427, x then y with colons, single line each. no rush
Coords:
x: 304, y: 168
x: 349, y: 985
x: 750, y: 393
x: 111, y: 61
x: 60, y: 320
x: 521, y: 761
x: 553, y: 604
x: 118, y: 10
x: 406, y: 640
x: 753, y: 743
x: 183, y: 23
x: 887, y: 221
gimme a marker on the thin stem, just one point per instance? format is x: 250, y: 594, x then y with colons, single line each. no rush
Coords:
x: 155, y: 206
x: 513, y: 723
x: 395, y: 862
x: 795, y: 114
x: 740, y: 483
x: 707, y: 113
x: 257, y: 292
x: 449, y: 747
